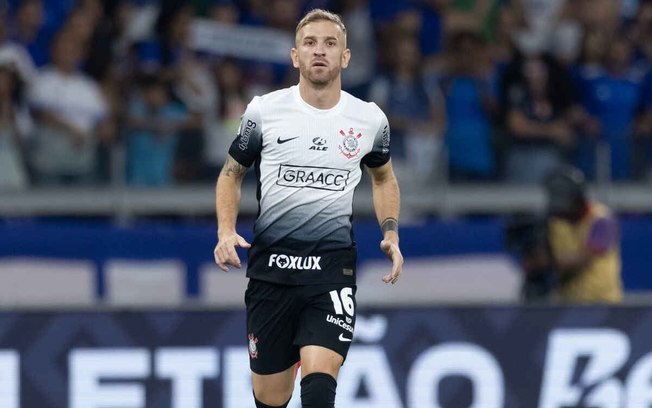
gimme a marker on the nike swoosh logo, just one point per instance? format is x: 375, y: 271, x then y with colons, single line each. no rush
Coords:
x: 281, y: 141
x: 342, y: 338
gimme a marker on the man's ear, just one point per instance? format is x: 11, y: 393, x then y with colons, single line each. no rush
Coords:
x: 294, y: 55
x: 346, y: 57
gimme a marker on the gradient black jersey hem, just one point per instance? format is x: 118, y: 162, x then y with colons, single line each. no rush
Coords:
x: 288, y: 267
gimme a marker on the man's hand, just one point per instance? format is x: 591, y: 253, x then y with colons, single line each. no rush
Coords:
x: 225, y: 253
x: 391, y: 249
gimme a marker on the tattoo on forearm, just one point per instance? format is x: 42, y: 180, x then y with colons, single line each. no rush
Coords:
x: 389, y: 224
x: 233, y: 168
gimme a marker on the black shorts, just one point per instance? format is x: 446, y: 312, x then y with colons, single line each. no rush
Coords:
x: 282, y: 318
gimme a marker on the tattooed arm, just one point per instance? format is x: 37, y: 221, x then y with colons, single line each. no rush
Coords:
x: 227, y: 203
x: 387, y: 203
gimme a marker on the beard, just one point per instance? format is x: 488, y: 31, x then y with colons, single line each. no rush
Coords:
x: 319, y: 76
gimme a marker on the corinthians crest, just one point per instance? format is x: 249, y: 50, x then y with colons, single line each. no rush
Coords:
x: 253, y: 349
x: 350, y: 146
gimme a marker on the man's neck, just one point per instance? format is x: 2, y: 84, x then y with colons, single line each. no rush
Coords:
x: 320, y: 98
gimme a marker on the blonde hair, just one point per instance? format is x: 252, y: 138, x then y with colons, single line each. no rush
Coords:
x: 321, y: 15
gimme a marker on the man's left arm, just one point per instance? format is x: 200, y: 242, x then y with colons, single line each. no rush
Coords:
x: 387, y: 204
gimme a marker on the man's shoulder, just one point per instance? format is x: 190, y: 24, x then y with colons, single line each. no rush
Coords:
x: 274, y: 96
x: 269, y: 103
x: 598, y: 210
x: 368, y: 109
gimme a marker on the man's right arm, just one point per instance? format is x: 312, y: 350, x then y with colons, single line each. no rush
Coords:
x: 227, y: 203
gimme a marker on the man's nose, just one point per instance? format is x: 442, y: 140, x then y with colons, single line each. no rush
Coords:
x: 320, y: 49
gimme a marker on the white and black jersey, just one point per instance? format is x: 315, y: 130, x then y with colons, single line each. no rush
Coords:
x: 308, y: 162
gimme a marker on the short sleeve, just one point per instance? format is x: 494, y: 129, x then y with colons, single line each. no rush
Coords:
x: 248, y: 143
x: 603, y: 235
x: 379, y: 153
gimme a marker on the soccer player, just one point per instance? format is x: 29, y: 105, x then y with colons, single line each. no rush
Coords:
x: 307, y: 143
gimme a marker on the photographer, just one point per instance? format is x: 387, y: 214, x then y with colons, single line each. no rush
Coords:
x: 584, y: 242
x: 526, y: 237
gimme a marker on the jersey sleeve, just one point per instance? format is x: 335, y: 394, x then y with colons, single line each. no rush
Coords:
x: 379, y: 153
x: 248, y: 143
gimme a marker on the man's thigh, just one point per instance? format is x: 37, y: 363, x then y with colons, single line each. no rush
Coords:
x: 327, y: 317
x: 272, y: 319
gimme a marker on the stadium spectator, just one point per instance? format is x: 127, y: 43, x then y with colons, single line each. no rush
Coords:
x: 612, y: 97
x: 226, y: 120
x: 14, y: 54
x: 587, y: 69
x: 501, y: 43
x: 361, y: 39
x: 13, y: 172
x: 470, y: 103
x: 120, y: 39
x: 93, y: 29
x: 225, y: 12
x: 154, y: 121
x: 27, y: 28
x: 538, y: 21
x: 416, y: 112
x: 283, y: 14
x: 584, y: 241
x: 641, y: 33
x: 425, y: 21
x: 538, y: 119
x: 600, y: 15
x: 71, y: 116
x: 471, y: 15
x: 191, y: 84
x: 567, y: 34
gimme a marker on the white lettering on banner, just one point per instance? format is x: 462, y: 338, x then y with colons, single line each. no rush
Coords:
x: 262, y: 44
x: 367, y: 365
x: 460, y: 359
x: 187, y: 367
x: 606, y: 351
x: 88, y: 367
x: 9, y: 379
x: 582, y: 368
x: 370, y: 329
x: 638, y: 392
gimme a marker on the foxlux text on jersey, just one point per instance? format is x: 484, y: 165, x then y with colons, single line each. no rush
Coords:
x: 282, y: 261
x: 321, y: 178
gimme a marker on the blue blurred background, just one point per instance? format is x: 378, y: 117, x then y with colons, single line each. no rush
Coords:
x: 116, y: 117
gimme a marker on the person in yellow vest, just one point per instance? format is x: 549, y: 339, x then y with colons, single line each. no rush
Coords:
x: 584, y: 240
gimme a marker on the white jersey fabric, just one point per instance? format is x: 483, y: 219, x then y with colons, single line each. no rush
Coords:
x: 308, y: 162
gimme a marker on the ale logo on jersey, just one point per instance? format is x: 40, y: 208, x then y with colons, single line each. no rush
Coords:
x: 318, y: 143
x: 300, y: 263
x: 350, y: 146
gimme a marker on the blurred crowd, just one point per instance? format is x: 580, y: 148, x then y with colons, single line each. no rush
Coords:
x: 117, y: 91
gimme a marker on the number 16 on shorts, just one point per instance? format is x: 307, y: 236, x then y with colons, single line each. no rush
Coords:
x: 343, y: 304
x: 343, y: 301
